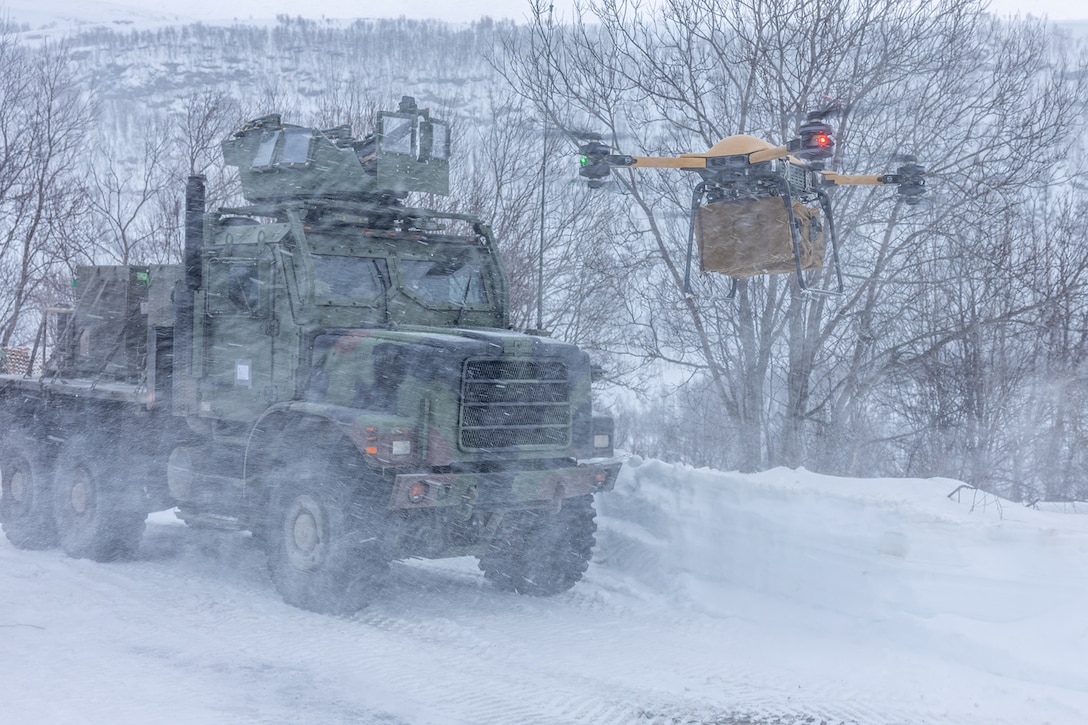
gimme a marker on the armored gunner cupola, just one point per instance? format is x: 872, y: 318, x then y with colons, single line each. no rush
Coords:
x: 278, y: 162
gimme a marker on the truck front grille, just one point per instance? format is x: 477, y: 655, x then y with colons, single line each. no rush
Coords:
x: 508, y: 404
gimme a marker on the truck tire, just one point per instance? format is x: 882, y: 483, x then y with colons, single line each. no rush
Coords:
x: 94, y: 516
x: 542, y: 552
x: 326, y: 549
x: 26, y: 498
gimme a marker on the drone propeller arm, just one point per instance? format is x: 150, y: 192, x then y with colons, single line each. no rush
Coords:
x: 830, y: 177
x: 699, y: 161
x: 658, y: 162
x: 910, y: 179
x: 688, y: 161
x: 680, y: 162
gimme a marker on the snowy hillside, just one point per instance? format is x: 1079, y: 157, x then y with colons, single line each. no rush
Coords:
x: 713, y: 598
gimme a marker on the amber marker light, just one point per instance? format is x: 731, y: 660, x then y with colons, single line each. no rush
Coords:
x: 417, y: 492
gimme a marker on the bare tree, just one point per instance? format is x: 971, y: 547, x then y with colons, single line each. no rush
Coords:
x: 206, y: 118
x: 46, y: 118
x: 127, y: 180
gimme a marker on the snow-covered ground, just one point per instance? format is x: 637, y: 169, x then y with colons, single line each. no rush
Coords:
x: 783, y: 597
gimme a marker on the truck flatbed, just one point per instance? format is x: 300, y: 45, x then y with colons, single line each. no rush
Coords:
x: 77, y: 387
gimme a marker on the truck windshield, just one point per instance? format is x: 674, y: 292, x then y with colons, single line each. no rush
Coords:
x: 449, y: 277
x: 339, y: 277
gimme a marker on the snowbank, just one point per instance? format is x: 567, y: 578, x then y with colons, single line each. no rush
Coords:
x: 971, y: 582
x: 869, y: 547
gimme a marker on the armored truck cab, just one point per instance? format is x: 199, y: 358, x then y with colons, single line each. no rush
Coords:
x: 329, y: 369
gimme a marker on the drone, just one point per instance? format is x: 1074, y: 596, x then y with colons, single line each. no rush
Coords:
x: 757, y: 207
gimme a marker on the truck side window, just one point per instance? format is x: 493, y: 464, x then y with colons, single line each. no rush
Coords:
x: 243, y: 288
x: 234, y: 287
x: 358, y: 279
x: 455, y: 278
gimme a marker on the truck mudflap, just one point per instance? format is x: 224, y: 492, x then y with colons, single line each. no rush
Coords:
x: 498, y: 490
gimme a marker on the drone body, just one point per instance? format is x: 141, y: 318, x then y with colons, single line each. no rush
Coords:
x: 760, y: 208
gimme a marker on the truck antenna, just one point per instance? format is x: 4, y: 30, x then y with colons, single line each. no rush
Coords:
x: 543, y: 181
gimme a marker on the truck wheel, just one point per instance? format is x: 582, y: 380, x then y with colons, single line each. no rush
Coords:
x: 542, y: 552
x: 93, y: 519
x: 325, y: 546
x: 26, y: 501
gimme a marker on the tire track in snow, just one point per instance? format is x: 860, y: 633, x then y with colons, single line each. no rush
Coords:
x: 496, y: 674
x: 489, y: 645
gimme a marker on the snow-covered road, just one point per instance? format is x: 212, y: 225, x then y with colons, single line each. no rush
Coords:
x: 713, y: 598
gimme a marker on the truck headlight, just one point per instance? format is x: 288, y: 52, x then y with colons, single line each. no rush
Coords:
x: 601, y: 440
x: 401, y: 447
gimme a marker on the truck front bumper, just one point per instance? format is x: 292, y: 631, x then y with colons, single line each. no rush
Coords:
x: 498, y: 490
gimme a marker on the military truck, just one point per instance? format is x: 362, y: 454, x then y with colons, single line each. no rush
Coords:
x: 329, y: 369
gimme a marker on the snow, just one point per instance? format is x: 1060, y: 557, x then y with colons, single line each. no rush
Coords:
x: 713, y: 598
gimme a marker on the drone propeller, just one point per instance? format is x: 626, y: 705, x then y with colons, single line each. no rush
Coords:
x: 582, y: 134
x: 827, y: 107
x: 573, y: 133
x: 830, y: 107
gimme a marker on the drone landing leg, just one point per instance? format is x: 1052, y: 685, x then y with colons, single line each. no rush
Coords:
x: 825, y: 204
x: 795, y: 236
x: 696, y: 201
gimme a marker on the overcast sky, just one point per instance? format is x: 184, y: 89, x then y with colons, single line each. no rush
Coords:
x: 65, y: 16
x: 463, y: 10
x: 518, y: 9
x: 64, y: 12
x: 1053, y: 9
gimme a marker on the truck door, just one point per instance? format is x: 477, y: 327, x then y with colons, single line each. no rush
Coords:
x: 239, y: 332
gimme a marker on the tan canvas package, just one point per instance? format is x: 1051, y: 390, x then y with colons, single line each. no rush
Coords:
x: 744, y: 238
